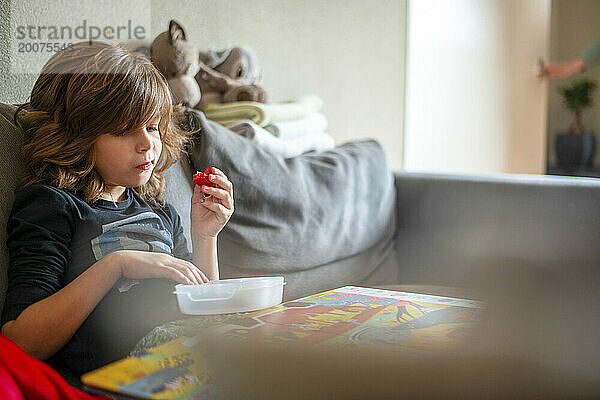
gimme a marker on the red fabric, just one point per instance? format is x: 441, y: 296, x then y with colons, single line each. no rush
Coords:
x: 23, y: 377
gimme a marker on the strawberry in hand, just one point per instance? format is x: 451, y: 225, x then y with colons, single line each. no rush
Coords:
x: 212, y: 203
x: 201, y: 178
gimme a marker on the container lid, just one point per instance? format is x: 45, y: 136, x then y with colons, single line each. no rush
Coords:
x: 234, y: 284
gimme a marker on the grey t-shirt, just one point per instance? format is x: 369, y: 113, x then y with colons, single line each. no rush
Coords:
x: 53, y: 236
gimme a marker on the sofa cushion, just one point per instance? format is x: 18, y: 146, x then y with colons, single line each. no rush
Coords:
x: 10, y: 170
x: 375, y: 266
x: 179, y: 189
x: 297, y: 214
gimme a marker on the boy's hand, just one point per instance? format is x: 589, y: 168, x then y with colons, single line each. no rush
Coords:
x: 136, y: 264
x: 210, y: 213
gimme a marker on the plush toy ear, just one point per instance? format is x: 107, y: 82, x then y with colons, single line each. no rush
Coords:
x: 175, y: 32
x: 239, y: 63
x: 214, y: 58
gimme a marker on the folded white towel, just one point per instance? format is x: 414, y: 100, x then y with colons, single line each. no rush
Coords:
x: 312, y: 123
x: 287, y: 148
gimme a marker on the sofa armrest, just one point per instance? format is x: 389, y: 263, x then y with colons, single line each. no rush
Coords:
x: 450, y: 224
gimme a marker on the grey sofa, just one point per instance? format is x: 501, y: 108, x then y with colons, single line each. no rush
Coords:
x: 448, y: 226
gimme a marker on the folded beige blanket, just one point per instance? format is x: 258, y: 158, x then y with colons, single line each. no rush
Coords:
x: 263, y: 114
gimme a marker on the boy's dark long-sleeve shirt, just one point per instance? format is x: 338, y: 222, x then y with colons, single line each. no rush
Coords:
x: 53, y: 236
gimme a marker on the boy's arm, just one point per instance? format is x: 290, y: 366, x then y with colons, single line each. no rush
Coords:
x: 204, y: 248
x: 208, y: 217
x: 205, y: 255
x: 45, y: 326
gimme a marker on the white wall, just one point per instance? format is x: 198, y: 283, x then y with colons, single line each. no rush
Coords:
x: 473, y: 103
x: 529, y: 38
x: 350, y: 52
x: 575, y: 25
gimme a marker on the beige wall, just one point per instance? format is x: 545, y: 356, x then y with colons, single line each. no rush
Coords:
x: 473, y: 103
x: 528, y: 27
x: 574, y: 26
x: 350, y: 52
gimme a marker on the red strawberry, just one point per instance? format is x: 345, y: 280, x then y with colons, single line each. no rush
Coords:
x: 201, y: 178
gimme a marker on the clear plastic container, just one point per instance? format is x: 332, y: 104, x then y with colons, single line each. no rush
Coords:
x: 230, y: 295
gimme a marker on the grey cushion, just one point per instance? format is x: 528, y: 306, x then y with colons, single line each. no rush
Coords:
x: 178, y: 191
x: 330, y: 214
x: 10, y: 169
x: 373, y: 267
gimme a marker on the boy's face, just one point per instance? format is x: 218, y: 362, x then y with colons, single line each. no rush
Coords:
x: 128, y: 160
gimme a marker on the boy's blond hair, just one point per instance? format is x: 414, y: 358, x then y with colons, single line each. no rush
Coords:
x: 84, y: 91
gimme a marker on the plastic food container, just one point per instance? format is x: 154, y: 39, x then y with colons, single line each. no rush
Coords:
x: 230, y: 295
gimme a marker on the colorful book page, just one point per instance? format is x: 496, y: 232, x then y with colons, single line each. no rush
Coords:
x: 174, y: 370
x: 356, y: 316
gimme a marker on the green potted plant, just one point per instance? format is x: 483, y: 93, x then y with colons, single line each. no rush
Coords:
x: 577, y: 147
